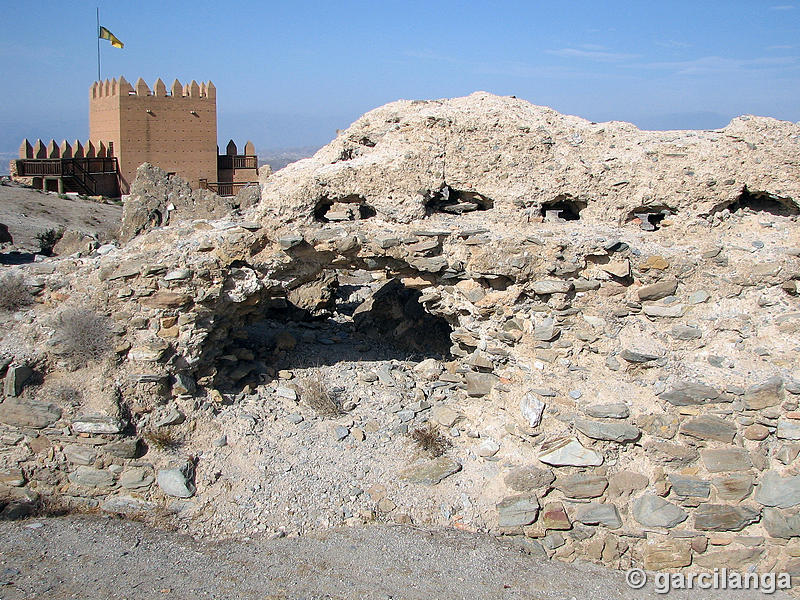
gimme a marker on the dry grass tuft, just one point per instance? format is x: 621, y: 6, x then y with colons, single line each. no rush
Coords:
x: 164, y: 439
x: 315, y: 394
x: 64, y: 395
x: 429, y: 440
x: 82, y: 334
x: 57, y: 506
x: 14, y: 294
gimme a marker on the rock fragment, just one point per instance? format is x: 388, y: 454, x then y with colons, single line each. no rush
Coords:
x: 568, y: 451
x: 517, y: 511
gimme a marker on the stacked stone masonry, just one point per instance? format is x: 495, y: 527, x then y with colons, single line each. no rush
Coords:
x: 619, y: 388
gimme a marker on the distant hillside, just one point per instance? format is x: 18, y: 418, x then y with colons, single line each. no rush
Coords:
x: 280, y: 157
x: 28, y: 213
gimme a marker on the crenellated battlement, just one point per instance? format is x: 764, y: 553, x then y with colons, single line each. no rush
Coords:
x: 121, y: 87
x: 173, y: 127
x: 232, y: 150
x: 75, y: 149
x: 87, y: 168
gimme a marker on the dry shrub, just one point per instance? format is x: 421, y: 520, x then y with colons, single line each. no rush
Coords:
x: 60, y: 506
x: 315, y: 394
x: 429, y: 440
x: 82, y: 334
x: 164, y: 439
x: 48, y: 239
x: 56, y: 506
x: 14, y: 294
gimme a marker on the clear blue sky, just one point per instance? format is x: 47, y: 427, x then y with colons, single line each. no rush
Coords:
x: 289, y: 73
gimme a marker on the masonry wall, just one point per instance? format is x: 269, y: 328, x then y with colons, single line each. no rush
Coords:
x: 175, y: 130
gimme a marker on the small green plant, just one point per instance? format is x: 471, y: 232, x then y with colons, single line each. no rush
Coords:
x: 14, y: 294
x: 48, y: 240
x: 430, y: 441
x: 315, y: 394
x: 82, y: 334
x: 164, y: 439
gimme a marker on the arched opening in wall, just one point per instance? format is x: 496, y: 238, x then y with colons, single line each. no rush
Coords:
x: 649, y: 217
x: 344, y: 317
x: 760, y: 202
x: 457, y: 202
x: 562, y: 208
x: 394, y: 312
x: 346, y: 208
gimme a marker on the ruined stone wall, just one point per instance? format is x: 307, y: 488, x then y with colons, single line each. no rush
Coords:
x: 620, y: 388
x: 519, y: 158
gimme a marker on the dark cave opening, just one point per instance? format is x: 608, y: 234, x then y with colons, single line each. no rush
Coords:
x: 457, y: 202
x: 363, y: 320
x: 394, y: 312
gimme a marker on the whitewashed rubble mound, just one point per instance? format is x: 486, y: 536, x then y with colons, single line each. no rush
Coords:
x: 506, y: 153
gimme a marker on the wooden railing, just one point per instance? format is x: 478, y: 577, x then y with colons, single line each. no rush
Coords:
x: 84, y: 179
x: 32, y: 168
x: 238, y: 161
x: 36, y: 167
x: 79, y: 170
x: 226, y: 188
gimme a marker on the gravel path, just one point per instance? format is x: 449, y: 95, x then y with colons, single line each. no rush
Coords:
x: 95, y: 557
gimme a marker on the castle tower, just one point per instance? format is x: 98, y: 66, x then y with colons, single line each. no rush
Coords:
x: 176, y: 131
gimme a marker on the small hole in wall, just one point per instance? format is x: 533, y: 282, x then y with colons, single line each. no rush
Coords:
x: 365, y: 211
x: 449, y: 200
x: 760, y: 202
x: 649, y: 218
x: 154, y: 219
x: 345, y: 208
x: 562, y: 208
x: 353, y: 148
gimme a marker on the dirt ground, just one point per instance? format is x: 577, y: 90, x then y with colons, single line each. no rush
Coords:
x: 102, y: 557
x: 27, y: 212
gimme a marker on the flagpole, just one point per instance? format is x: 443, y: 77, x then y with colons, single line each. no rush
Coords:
x: 98, y: 43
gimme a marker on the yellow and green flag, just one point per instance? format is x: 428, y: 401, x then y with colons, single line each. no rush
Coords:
x: 105, y: 34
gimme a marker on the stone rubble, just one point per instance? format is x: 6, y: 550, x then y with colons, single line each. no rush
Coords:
x: 600, y: 324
